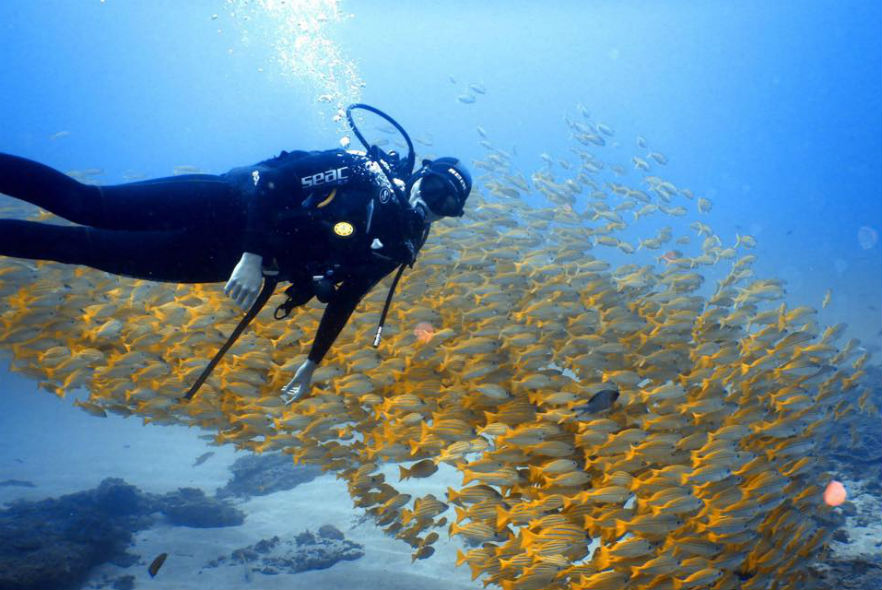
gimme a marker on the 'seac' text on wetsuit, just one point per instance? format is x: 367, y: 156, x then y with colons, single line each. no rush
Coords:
x: 332, y: 176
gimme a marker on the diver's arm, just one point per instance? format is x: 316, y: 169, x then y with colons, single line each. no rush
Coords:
x: 261, y: 203
x: 257, y: 187
x: 271, y: 186
x: 336, y: 315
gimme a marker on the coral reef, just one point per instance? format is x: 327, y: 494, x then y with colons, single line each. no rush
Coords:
x: 191, y: 507
x: 292, y: 554
x: 53, y: 543
x: 260, y: 475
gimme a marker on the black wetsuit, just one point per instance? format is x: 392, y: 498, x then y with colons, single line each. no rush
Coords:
x: 305, y: 213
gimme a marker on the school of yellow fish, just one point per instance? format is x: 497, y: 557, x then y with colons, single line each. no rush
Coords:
x: 703, y: 474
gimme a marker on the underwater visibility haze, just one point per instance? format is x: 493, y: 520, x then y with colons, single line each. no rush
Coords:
x: 646, y: 356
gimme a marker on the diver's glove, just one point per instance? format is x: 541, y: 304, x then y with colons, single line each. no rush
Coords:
x: 244, y: 283
x: 299, y: 386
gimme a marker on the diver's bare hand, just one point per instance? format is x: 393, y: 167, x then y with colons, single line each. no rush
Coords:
x: 298, y: 387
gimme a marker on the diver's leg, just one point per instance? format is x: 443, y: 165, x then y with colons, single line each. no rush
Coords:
x: 160, y: 204
x: 49, y: 189
x: 170, y: 256
x: 173, y: 203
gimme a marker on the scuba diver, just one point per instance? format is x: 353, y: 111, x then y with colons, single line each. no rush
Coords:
x: 332, y: 223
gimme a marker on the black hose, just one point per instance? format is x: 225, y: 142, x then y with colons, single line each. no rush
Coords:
x: 269, y: 285
x: 411, y: 153
x: 386, y: 306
